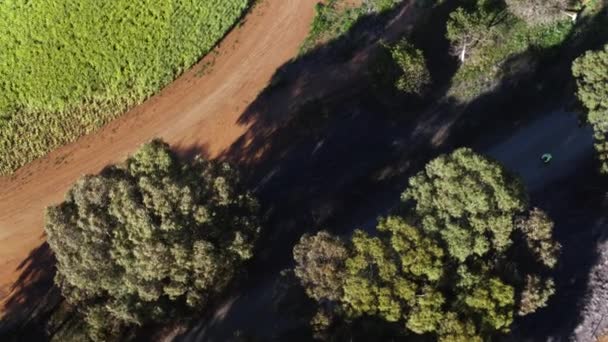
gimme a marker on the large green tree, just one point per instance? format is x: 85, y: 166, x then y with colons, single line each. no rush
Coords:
x: 458, y: 261
x: 591, y: 73
x: 151, y: 239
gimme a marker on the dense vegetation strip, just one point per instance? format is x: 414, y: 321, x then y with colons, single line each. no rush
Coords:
x: 336, y: 17
x: 68, y: 67
x: 485, y: 35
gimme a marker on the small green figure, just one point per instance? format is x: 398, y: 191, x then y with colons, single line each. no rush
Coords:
x: 546, y: 158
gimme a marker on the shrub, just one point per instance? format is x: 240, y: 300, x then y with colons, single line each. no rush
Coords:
x: 415, y: 76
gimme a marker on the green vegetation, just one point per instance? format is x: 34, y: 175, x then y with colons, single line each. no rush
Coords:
x: 151, y: 240
x: 453, y: 263
x: 415, y: 76
x: 538, y: 11
x: 591, y: 73
x: 319, y: 261
x: 337, y: 17
x: 485, y: 36
x: 68, y: 67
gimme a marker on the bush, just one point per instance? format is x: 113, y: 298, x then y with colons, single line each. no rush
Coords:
x: 150, y: 240
x: 491, y: 36
x: 69, y: 67
x: 337, y: 17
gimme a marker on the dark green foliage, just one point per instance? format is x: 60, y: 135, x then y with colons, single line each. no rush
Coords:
x: 415, y: 76
x: 446, y: 265
x: 68, y: 67
x: 337, y: 17
x: 591, y: 73
x: 150, y: 240
x: 489, y: 35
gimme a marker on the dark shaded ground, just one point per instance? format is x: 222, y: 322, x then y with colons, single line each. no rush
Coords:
x: 35, y: 292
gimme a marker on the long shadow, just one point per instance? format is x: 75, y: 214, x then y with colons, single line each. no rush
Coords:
x: 323, y: 152
x: 32, y: 299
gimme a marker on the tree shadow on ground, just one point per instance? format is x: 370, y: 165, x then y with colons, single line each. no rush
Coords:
x: 32, y: 299
x: 323, y: 153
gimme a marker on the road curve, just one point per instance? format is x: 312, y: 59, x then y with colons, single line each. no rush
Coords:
x: 196, y: 111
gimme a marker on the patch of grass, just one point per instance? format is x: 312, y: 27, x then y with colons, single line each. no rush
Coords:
x: 337, y: 17
x: 484, y: 65
x: 68, y: 67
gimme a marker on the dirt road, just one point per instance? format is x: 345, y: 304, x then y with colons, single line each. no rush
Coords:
x: 197, y: 113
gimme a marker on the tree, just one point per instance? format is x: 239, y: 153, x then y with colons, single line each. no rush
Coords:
x: 447, y: 263
x: 467, y: 28
x: 537, y: 229
x: 591, y: 73
x: 467, y: 200
x: 537, y: 12
x: 415, y: 76
x: 151, y: 239
x: 320, y: 265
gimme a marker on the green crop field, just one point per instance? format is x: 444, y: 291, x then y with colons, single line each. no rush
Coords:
x: 69, y: 66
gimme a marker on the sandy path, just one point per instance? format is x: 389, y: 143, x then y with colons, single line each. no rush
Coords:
x: 194, y: 111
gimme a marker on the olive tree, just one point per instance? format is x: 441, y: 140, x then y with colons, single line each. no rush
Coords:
x: 448, y: 262
x: 151, y: 239
x: 591, y: 73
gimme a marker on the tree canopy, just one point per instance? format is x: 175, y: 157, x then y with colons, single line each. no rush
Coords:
x: 538, y: 11
x: 467, y: 200
x: 450, y: 262
x: 319, y: 263
x: 415, y: 76
x: 591, y: 73
x: 151, y: 239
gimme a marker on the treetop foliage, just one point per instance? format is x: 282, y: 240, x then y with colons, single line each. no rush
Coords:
x: 591, y: 73
x: 484, y: 34
x: 319, y: 263
x: 450, y: 262
x: 538, y: 11
x: 415, y: 76
x: 151, y: 239
x: 469, y: 201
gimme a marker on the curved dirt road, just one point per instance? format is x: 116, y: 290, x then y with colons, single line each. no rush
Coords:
x: 197, y: 113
